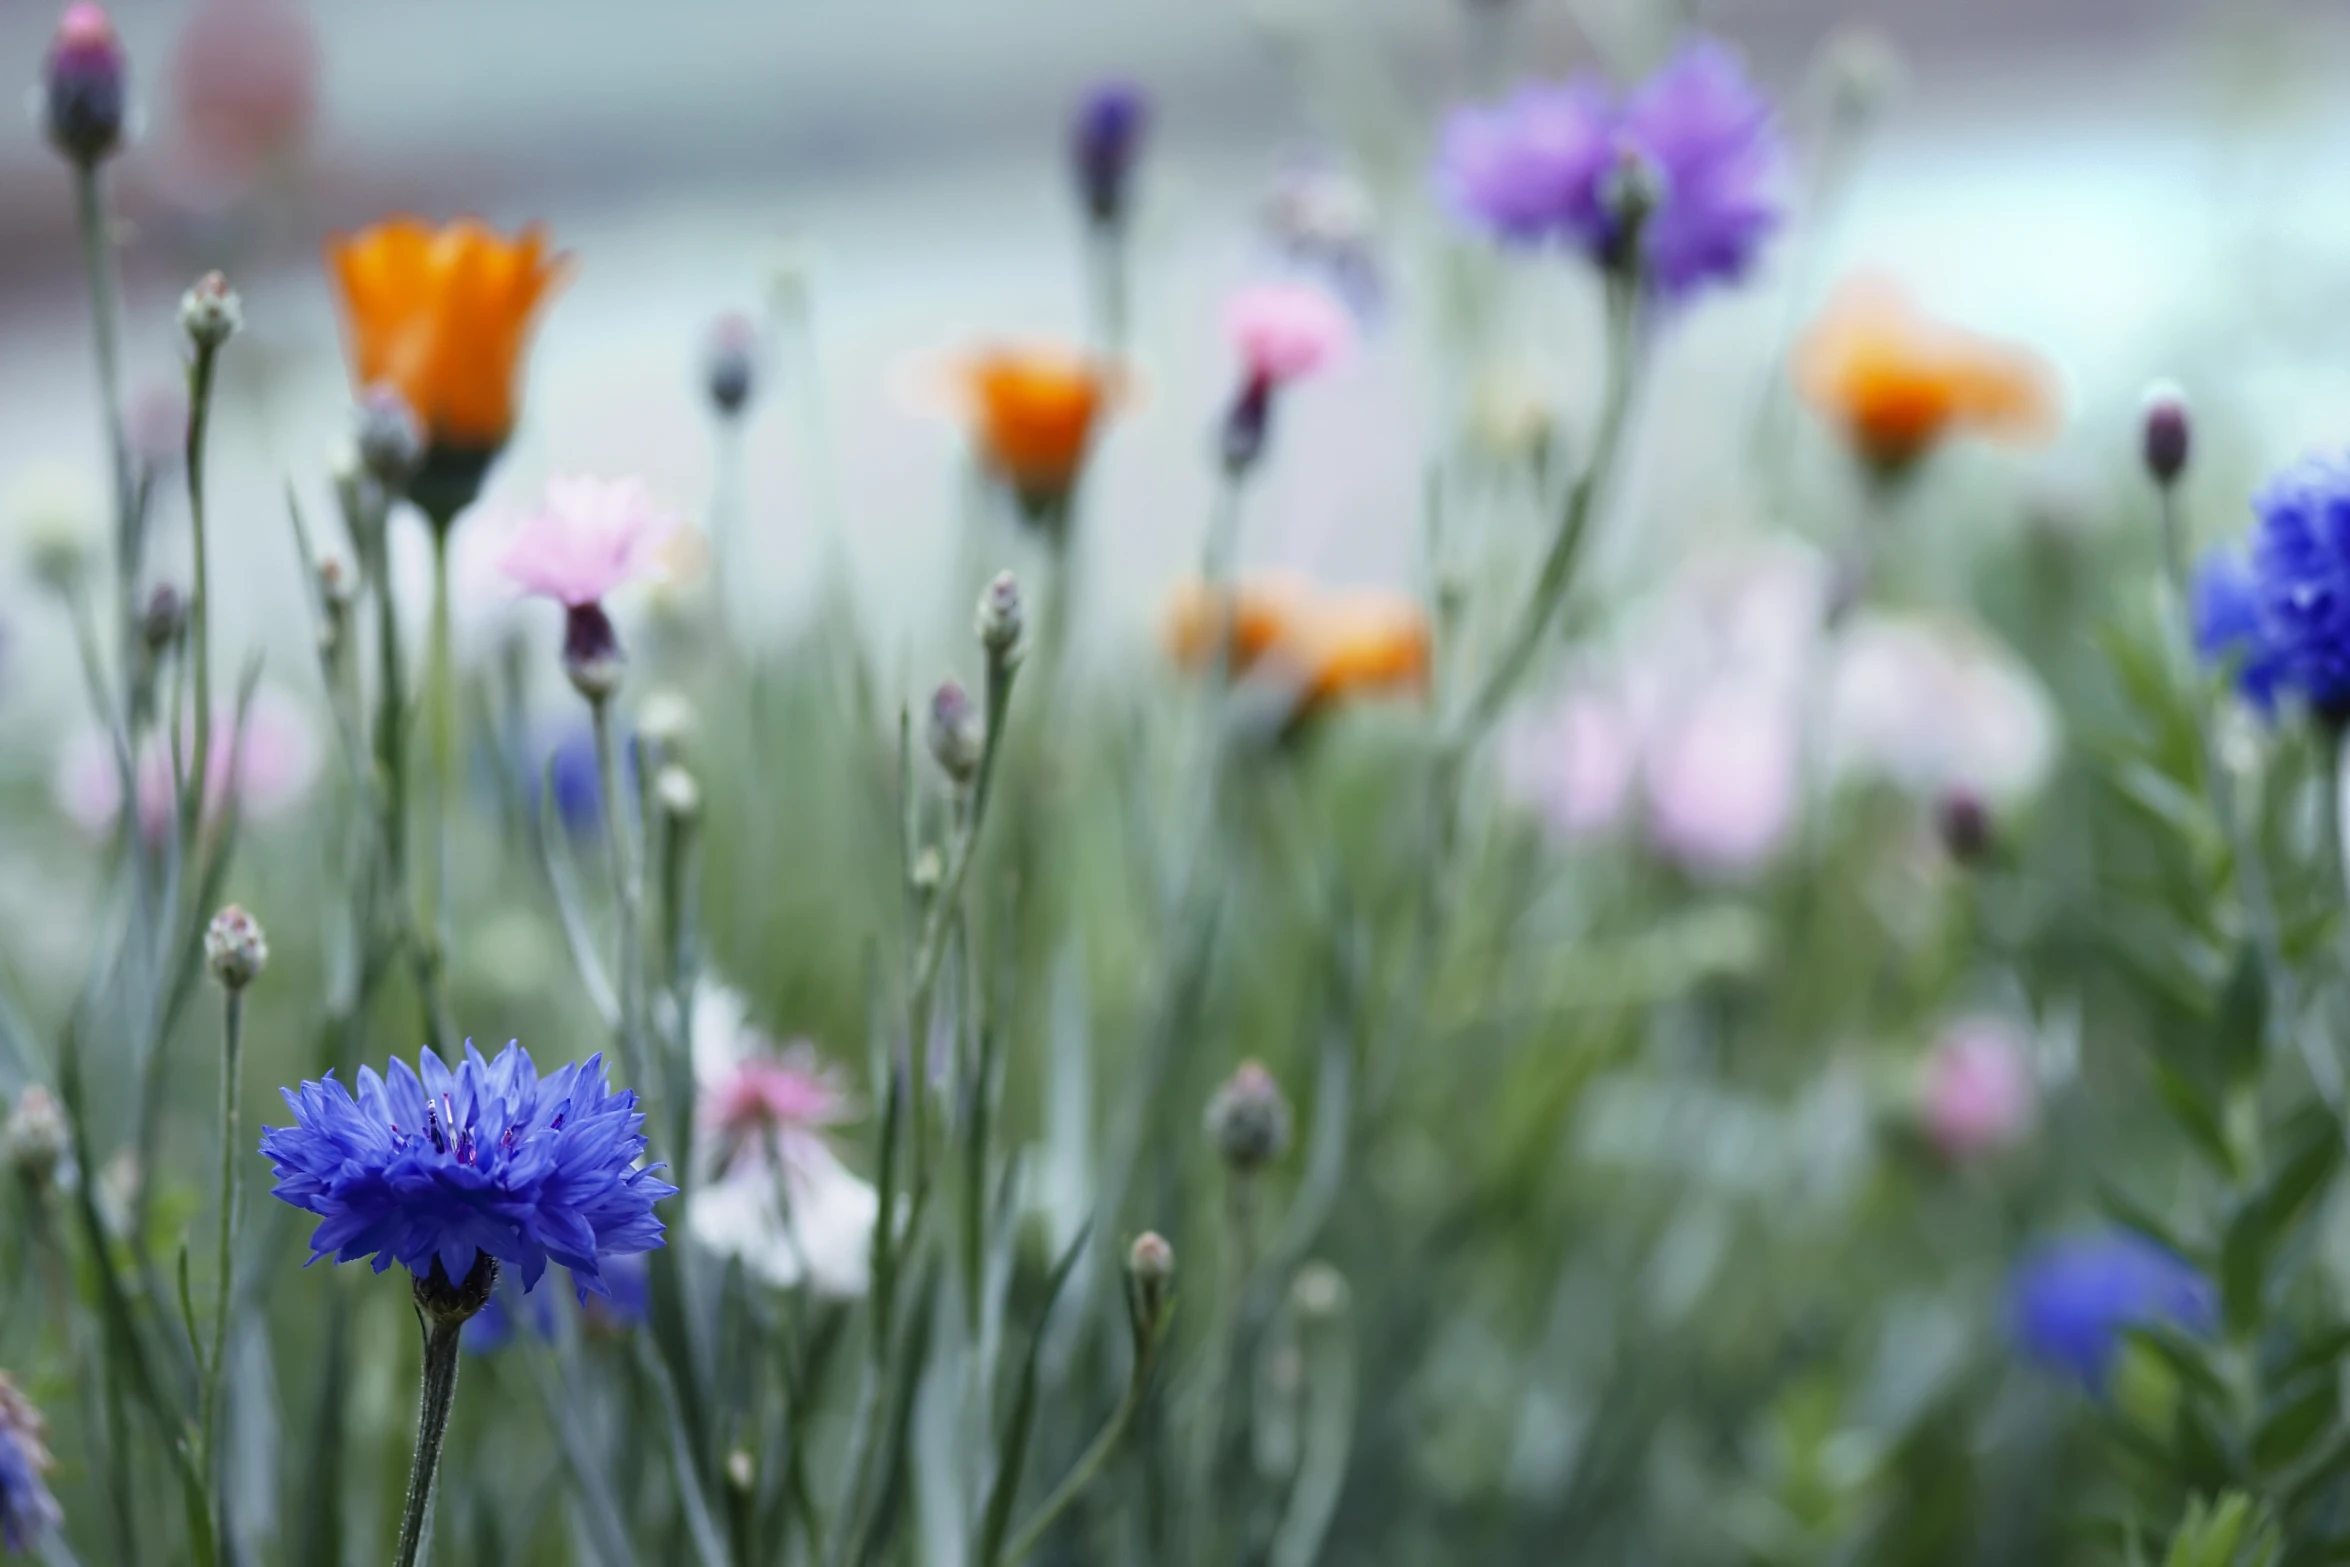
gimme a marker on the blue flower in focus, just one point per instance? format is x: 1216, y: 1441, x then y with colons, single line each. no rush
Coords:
x: 2070, y: 1300
x: 1104, y: 140
x: 2226, y: 610
x: 2295, y: 634
x: 27, y: 1510
x: 1536, y: 169
x: 433, y: 1168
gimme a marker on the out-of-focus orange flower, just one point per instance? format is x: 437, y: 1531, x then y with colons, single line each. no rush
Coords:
x: 1033, y: 412
x: 1898, y: 381
x: 443, y: 316
x: 1328, y: 644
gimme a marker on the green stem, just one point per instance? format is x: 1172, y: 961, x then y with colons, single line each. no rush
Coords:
x: 232, y: 1054
x: 105, y: 284
x: 1106, y: 254
x: 200, y: 375
x: 441, y: 699
x: 1089, y: 1463
x: 442, y: 1336
x: 628, y: 896
x: 1223, y: 1345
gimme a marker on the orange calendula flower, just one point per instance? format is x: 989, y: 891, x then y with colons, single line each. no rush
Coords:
x: 442, y: 316
x: 1899, y: 381
x: 1330, y: 645
x: 1033, y: 412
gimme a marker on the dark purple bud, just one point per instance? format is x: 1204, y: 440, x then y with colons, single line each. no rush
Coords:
x: 1964, y: 820
x: 2169, y: 432
x: 1247, y: 423
x: 731, y: 364
x: 1103, y: 143
x: 591, y: 651
x: 163, y: 619
x: 82, y: 85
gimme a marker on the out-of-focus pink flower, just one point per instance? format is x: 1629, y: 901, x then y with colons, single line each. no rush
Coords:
x: 1287, y: 329
x: 1722, y: 778
x: 773, y: 1097
x: 1979, y: 1093
x: 590, y: 537
x: 244, y: 79
x: 1580, y: 765
x: 1935, y: 705
x: 268, y: 770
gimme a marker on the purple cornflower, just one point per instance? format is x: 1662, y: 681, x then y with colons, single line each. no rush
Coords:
x: 27, y: 1510
x: 1543, y: 167
x: 2070, y: 1300
x: 2285, y: 613
x: 1105, y: 137
x: 433, y: 1168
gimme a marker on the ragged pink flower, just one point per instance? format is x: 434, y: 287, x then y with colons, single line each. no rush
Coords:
x: 267, y: 770
x: 764, y: 1097
x: 588, y: 538
x: 1979, y: 1093
x: 1286, y: 330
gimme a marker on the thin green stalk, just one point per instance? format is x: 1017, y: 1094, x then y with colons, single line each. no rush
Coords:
x: 1081, y: 1474
x: 105, y: 284
x: 231, y: 1058
x: 440, y: 680
x: 1106, y: 255
x: 629, y: 897
x: 200, y: 375
x: 1222, y: 1347
x: 442, y: 1335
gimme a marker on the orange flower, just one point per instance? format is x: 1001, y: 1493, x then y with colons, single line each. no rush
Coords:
x: 443, y: 315
x: 1898, y: 381
x: 1328, y: 644
x: 1033, y: 413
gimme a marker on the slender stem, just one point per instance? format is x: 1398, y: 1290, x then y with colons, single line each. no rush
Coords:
x: 1089, y: 1463
x: 442, y: 1336
x: 441, y: 680
x: 1222, y: 1346
x: 628, y: 896
x: 1106, y: 254
x: 231, y: 1058
x: 200, y: 374
x: 105, y: 284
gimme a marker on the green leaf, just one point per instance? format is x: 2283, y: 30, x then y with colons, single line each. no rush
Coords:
x: 2240, y: 1026
x: 2187, y: 1358
x: 2288, y: 1427
x: 2131, y: 1214
x: 1006, y: 1491
x: 2190, y: 1107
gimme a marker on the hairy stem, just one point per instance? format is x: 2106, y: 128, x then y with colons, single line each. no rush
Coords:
x: 231, y: 1057
x: 441, y: 1338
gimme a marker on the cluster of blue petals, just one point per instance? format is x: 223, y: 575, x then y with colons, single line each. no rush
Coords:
x: 2071, y: 1300
x: 2279, y: 613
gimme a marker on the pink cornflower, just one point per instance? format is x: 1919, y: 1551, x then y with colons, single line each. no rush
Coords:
x: 588, y: 538
x: 1979, y: 1093
x: 778, y: 1098
x: 267, y: 771
x: 1286, y: 330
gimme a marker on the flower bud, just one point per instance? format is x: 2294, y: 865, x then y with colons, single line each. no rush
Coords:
x: 36, y: 1137
x: 1962, y: 818
x: 390, y: 440
x: 84, y: 95
x: 1248, y: 1119
x: 929, y: 870
x: 234, y: 948
x: 679, y: 797
x: 1631, y: 191
x: 957, y: 734
x: 445, y: 1304
x: 742, y: 1471
x: 665, y: 721
x: 163, y: 620
x: 730, y: 364
x: 210, y: 312
x: 592, y: 657
x: 2168, y: 432
x: 1150, y: 1270
x: 1319, y: 1292
x: 1246, y: 424
x: 1000, y: 619
x: 1104, y: 141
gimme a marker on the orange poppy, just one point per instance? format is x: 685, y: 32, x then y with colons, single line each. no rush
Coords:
x: 1898, y: 381
x: 1033, y: 412
x: 442, y: 316
x: 1328, y: 644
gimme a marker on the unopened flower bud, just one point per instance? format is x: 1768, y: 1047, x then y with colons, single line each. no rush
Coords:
x: 1104, y: 142
x: 1246, y: 424
x: 1630, y: 192
x: 730, y: 365
x: 1319, y: 1292
x: 665, y: 721
x: 592, y: 657
x: 1150, y: 1271
x: 234, y: 948
x: 679, y: 797
x: 36, y: 1137
x: 163, y: 619
x: 210, y: 312
x: 389, y: 438
x: 2168, y: 432
x: 1963, y: 820
x: 742, y: 1471
x: 84, y: 93
x: 956, y: 732
x: 1001, y: 618
x: 1248, y: 1118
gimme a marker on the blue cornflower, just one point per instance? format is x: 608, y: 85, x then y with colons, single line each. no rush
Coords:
x: 436, y: 1169
x: 1539, y: 167
x: 572, y: 782
x: 27, y: 1510
x: 2286, y: 615
x: 2070, y: 1300
x: 1105, y: 138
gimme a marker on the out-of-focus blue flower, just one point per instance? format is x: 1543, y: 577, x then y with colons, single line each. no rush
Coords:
x: 27, y: 1510
x: 510, y: 1306
x: 2228, y: 630
x: 1537, y: 168
x: 627, y: 1299
x: 1105, y: 137
x: 570, y: 779
x: 2295, y: 631
x: 434, y: 1167
x: 2070, y: 1300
